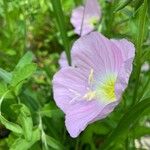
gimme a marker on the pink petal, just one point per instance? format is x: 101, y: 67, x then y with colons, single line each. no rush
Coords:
x: 67, y: 84
x: 94, y: 51
x: 106, y: 110
x: 127, y: 48
x: 128, y: 52
x: 80, y: 115
x: 123, y: 77
x: 76, y: 18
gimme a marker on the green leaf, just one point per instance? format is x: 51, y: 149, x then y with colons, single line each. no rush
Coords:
x: 25, y: 60
x: 22, y: 144
x: 127, y: 122
x: 122, y: 5
x: 53, y: 143
x: 50, y: 112
x: 10, y: 125
x: 20, y: 74
x: 25, y: 120
x: 137, y: 3
x: 57, y: 9
x: 148, y: 7
x: 140, y: 131
x: 6, y: 76
x: 139, y: 43
x: 145, y: 55
x: 3, y: 88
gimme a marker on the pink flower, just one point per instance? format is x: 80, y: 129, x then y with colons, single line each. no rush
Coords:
x: 91, y: 88
x: 63, y: 60
x: 85, y: 17
x: 145, y: 67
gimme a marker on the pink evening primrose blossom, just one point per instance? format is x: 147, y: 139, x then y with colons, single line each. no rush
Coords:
x: 90, y: 89
x: 85, y: 17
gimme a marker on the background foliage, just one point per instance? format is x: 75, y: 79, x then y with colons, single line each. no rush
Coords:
x: 32, y: 36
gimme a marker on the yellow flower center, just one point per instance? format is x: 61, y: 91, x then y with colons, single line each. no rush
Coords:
x: 92, y: 21
x: 106, y: 91
x: 103, y: 89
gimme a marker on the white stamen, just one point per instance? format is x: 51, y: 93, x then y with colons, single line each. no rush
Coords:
x: 90, y: 95
x: 91, y: 77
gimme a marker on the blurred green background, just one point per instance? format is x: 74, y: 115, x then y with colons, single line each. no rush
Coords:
x: 30, y: 27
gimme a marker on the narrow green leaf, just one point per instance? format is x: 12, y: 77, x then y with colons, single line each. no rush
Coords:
x: 145, y: 55
x: 148, y: 7
x: 127, y: 122
x: 122, y: 5
x: 53, y: 143
x: 139, y: 43
x: 10, y: 125
x: 57, y: 9
x: 6, y: 76
x: 137, y: 4
x: 22, y: 144
x: 25, y: 60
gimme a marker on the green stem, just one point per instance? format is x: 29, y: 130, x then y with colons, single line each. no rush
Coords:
x: 109, y: 18
x: 140, y: 39
x: 64, y: 135
x: 57, y: 9
x: 127, y: 143
x: 43, y: 135
x: 77, y: 144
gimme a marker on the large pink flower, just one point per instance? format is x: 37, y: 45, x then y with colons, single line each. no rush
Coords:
x: 91, y: 88
x: 85, y: 17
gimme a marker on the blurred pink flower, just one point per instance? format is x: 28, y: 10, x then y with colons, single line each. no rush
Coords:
x: 145, y: 67
x: 91, y: 88
x: 85, y: 17
x: 63, y: 60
